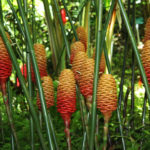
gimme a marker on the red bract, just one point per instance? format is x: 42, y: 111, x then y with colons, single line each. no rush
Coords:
x: 24, y: 73
x: 5, y: 62
x: 63, y: 15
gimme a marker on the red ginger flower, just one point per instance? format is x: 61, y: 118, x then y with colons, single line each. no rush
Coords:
x: 66, y: 99
x: 24, y: 73
x: 78, y: 61
x: 5, y: 62
x: 63, y: 15
x: 66, y: 94
x: 48, y: 90
x: 86, y: 80
x: 76, y: 47
x: 40, y: 55
x: 145, y: 55
x: 107, y: 95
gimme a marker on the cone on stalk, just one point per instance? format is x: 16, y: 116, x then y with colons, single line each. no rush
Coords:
x: 76, y: 47
x: 86, y: 80
x: 5, y: 72
x: 77, y: 63
x: 48, y: 90
x: 106, y: 100
x: 66, y: 99
x: 40, y: 55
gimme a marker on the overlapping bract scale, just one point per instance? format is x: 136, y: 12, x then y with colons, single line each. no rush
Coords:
x: 102, y: 64
x: 86, y: 77
x: 76, y: 47
x: 82, y: 35
x: 40, y: 55
x: 107, y: 94
x: 48, y: 90
x: 77, y: 64
x: 145, y: 55
x: 147, y: 31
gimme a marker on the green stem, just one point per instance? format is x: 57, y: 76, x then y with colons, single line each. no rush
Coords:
x: 31, y: 96
x: 62, y: 29
x: 1, y: 12
x: 96, y: 73
x: 33, y: 22
x: 10, y: 105
x: 18, y: 21
x: 84, y: 117
x: 37, y: 75
x: 54, y: 132
x: 22, y: 82
x: 81, y: 7
x: 9, y: 114
x: 51, y: 30
x: 132, y: 38
x: 105, y: 135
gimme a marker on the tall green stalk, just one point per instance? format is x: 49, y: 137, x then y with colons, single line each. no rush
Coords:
x: 10, y: 105
x: 62, y: 29
x: 133, y: 69
x: 132, y: 38
x: 1, y: 12
x: 96, y: 72
x: 29, y: 82
x: 37, y: 75
x: 53, y: 43
x: 22, y: 82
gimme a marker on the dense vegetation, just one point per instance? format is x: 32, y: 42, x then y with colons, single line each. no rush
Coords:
x: 133, y: 108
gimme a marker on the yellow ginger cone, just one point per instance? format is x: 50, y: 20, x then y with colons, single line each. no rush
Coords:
x: 82, y: 35
x: 145, y: 56
x: 106, y: 100
x: 66, y: 99
x: 76, y: 47
x: 86, y: 80
x: 48, y: 90
x: 40, y: 55
x: 147, y: 30
x: 107, y: 95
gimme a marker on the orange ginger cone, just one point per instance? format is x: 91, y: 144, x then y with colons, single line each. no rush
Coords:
x: 145, y: 56
x: 76, y: 47
x: 102, y: 64
x: 86, y: 80
x: 147, y: 31
x: 106, y: 100
x: 5, y: 72
x: 66, y: 99
x: 5, y: 65
x: 40, y: 55
x: 48, y: 89
x: 82, y: 35
x: 77, y: 63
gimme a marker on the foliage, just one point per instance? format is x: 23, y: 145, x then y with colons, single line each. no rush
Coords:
x: 133, y: 136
